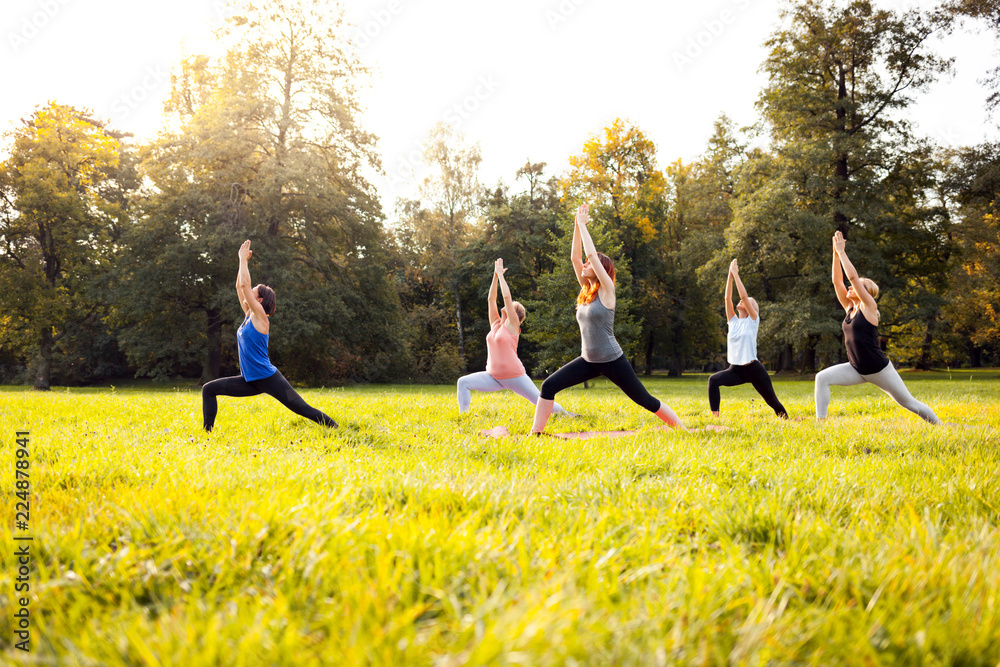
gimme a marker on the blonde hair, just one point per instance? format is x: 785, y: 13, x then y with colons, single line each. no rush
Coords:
x: 870, y: 286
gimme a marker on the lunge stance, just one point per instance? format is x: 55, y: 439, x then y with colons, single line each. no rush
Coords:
x: 600, y: 353
x: 867, y: 361
x: 742, y: 350
x: 503, y: 369
x: 257, y: 374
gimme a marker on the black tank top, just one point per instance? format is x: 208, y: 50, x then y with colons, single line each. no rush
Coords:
x: 863, y: 350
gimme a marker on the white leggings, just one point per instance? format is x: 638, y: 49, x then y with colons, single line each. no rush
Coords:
x: 483, y: 381
x: 887, y: 380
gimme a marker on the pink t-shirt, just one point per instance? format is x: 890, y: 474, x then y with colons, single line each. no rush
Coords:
x: 501, y: 348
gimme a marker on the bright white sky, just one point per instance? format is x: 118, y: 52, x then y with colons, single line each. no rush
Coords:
x: 528, y: 79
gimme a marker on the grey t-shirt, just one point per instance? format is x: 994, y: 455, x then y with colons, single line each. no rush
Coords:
x: 597, y: 332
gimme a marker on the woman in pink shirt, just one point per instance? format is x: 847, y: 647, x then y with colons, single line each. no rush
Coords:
x: 503, y: 369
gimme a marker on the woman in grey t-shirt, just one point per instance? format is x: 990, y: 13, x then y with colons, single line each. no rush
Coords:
x: 600, y: 353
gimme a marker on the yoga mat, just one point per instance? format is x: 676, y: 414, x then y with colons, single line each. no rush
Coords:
x: 501, y: 432
x: 587, y: 435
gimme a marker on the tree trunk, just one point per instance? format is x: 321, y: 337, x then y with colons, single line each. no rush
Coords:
x: 975, y: 355
x: 461, y: 334
x: 924, y: 362
x: 213, y: 359
x: 809, y: 355
x: 649, y: 354
x: 43, y: 374
x: 676, y: 364
x: 842, y: 174
x: 786, y: 359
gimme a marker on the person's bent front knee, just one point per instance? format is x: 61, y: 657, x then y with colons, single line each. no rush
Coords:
x: 548, y: 391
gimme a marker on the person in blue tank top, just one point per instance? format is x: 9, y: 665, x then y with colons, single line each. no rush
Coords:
x: 257, y: 374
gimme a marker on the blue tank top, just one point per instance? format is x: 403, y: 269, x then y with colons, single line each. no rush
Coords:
x: 252, y: 344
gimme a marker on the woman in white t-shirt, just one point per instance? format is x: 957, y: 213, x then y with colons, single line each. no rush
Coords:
x: 742, y: 350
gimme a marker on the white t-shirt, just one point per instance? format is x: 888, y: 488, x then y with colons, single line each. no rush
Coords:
x: 742, y: 340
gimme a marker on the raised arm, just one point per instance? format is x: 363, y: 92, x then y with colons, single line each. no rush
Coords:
x: 730, y: 311
x: 838, y: 278
x: 508, y: 302
x: 244, y: 289
x: 576, y: 251
x: 494, y: 313
x: 607, y: 284
x: 744, y: 297
x: 868, y: 306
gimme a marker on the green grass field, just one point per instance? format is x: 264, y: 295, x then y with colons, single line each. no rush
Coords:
x: 404, y: 537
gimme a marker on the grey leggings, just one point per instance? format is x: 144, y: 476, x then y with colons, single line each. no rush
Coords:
x: 887, y: 380
x: 483, y: 381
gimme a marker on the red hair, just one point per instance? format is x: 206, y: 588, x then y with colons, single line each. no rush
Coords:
x: 589, y: 293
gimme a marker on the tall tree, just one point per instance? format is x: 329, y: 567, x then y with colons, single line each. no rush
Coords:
x: 269, y: 149
x: 553, y: 330
x: 618, y: 173
x: 839, y: 76
x: 520, y: 227
x: 61, y: 213
x: 989, y: 12
x: 435, y: 228
x: 702, y: 195
x: 973, y: 302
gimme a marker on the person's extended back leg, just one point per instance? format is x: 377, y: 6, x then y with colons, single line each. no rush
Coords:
x: 620, y: 372
x: 278, y: 387
x: 888, y: 380
x: 761, y: 381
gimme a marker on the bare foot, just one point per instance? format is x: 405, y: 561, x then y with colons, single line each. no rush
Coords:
x: 496, y: 432
x: 717, y: 428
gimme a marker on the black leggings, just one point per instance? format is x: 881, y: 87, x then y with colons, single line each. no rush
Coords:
x: 618, y: 371
x: 755, y: 374
x: 276, y: 386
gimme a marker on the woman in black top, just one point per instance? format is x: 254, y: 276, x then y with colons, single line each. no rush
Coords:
x: 866, y: 360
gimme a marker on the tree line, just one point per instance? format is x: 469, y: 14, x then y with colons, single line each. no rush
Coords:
x: 117, y: 258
